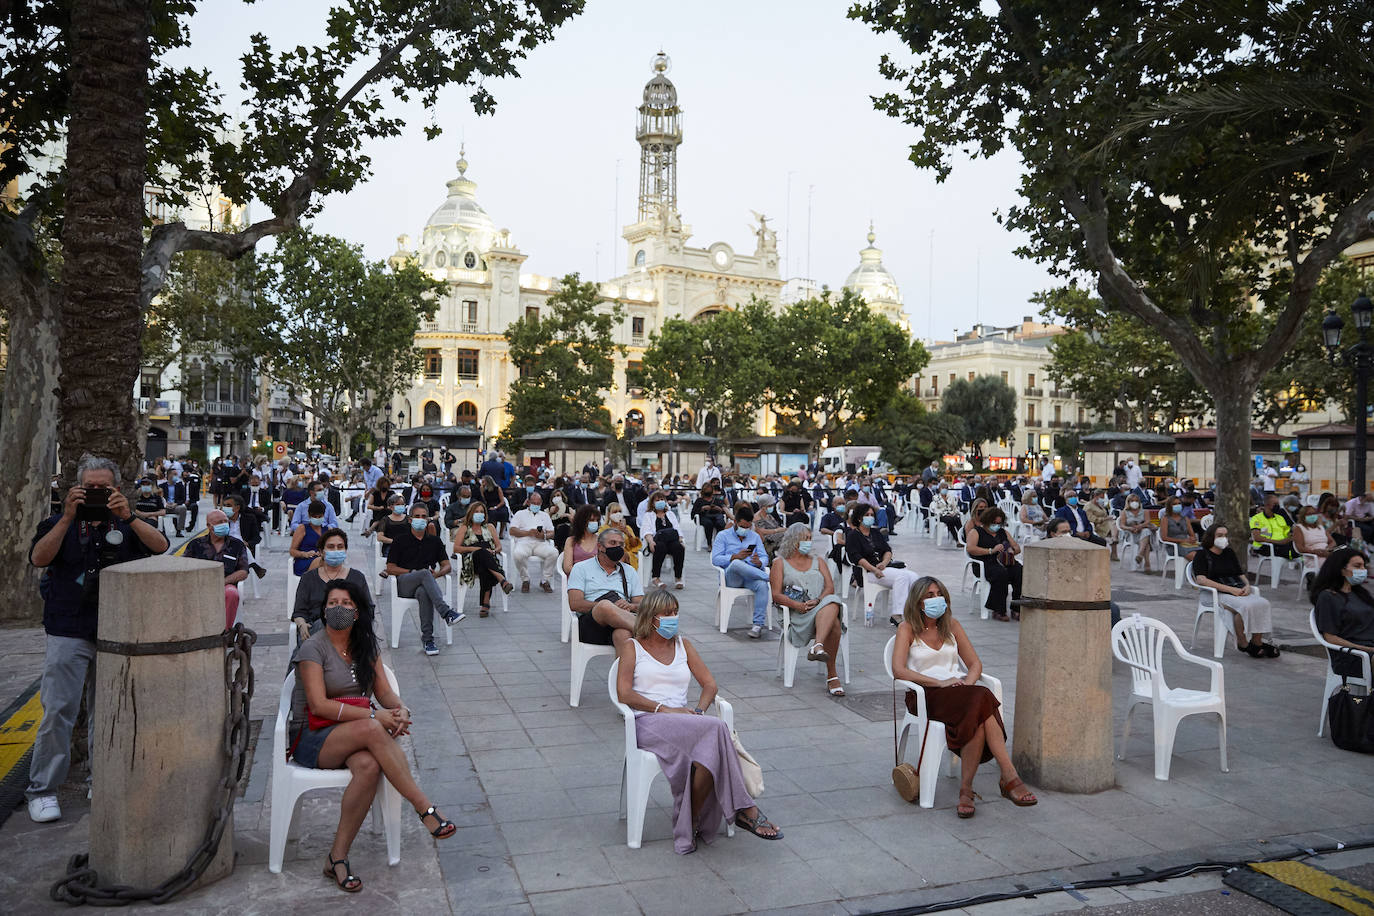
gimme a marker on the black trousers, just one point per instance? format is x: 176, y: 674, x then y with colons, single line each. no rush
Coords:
x: 711, y: 524
x: 487, y: 565
x: 663, y: 549
x: 953, y: 523
x: 1000, y: 578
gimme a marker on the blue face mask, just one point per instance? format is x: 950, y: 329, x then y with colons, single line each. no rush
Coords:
x: 221, y: 529
x: 1176, y: 510
x: 805, y: 548
x: 1072, y: 500
x: 318, y: 497
x: 667, y: 627
x: 592, y: 526
x: 464, y: 500
x: 529, y: 489
x: 660, y: 505
x: 316, y: 521
x: 1357, y: 576
x: 868, y: 521
x: 934, y: 607
x: 478, y: 518
x: 335, y: 557
x: 229, y: 512
x: 994, y: 527
x: 419, y: 524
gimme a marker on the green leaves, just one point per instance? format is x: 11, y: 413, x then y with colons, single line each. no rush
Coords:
x: 565, y: 360
x: 987, y: 406
x: 909, y: 435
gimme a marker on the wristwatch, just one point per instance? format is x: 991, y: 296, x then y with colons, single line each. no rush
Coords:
x: 698, y: 711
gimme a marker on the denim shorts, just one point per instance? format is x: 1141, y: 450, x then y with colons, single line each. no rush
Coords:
x: 307, y: 753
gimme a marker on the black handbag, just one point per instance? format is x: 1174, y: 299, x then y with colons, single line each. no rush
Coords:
x: 1349, y: 719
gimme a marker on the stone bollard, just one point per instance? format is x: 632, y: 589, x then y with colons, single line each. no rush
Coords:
x: 1063, y: 727
x: 158, y: 749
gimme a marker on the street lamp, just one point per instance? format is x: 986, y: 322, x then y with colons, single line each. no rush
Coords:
x: 1359, y: 356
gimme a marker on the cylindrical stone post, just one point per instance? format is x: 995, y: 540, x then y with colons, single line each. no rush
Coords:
x: 158, y: 750
x: 1063, y: 727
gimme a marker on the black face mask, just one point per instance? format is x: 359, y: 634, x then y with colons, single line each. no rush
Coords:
x: 615, y: 554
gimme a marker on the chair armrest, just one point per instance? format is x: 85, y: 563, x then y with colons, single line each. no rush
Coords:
x: 992, y: 683
x: 1362, y: 655
x: 916, y: 688
x: 1210, y: 664
x: 726, y: 712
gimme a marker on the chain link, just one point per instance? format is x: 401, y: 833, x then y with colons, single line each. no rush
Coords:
x: 82, y: 885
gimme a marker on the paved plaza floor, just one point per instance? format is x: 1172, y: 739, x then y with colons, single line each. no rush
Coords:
x: 534, y: 784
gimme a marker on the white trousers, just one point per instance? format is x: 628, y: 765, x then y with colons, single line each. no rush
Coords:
x: 533, y: 547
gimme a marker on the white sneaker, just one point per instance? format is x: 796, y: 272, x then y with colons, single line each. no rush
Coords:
x: 44, y: 809
x: 755, y: 631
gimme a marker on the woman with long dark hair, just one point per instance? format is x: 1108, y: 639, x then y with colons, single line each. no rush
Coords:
x: 1215, y: 566
x: 1345, y: 609
x: 338, y: 673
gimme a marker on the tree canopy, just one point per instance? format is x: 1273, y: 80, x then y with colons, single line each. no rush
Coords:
x: 566, y: 360
x: 909, y: 435
x: 987, y: 407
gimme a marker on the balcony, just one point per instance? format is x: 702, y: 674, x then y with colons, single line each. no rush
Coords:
x: 636, y: 340
x: 1060, y: 393
x: 1035, y: 392
x: 930, y: 393
x: 239, y: 409
x: 468, y: 327
x: 635, y: 391
x: 285, y: 415
x: 1060, y: 424
x: 1032, y: 424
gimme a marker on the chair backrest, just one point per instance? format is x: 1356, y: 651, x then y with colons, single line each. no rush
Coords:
x: 887, y: 656
x: 1139, y: 641
x: 631, y: 739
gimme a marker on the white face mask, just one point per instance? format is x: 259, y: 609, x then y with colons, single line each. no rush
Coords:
x: 1222, y: 542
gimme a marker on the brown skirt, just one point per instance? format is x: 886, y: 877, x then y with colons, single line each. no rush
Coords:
x: 962, y: 709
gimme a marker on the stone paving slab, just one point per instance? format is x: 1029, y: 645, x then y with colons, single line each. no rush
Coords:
x: 534, y: 783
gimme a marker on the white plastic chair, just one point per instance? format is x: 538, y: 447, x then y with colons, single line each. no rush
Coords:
x: 378, y: 567
x: 566, y: 619
x: 641, y: 767
x: 870, y: 592
x: 290, y: 782
x: 725, y: 599
x: 293, y: 582
x: 1334, y: 680
x: 1276, y: 565
x: 458, y: 592
x: 252, y: 576
x: 1304, y: 572
x: 1172, y: 554
x: 402, y: 606
x: 788, y: 653
x: 935, y: 749
x: 1139, y: 642
x: 837, y: 572
x: 1222, y: 631
x: 974, y: 565
x: 582, y: 653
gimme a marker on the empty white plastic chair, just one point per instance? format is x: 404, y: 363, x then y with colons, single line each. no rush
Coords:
x: 935, y: 736
x: 1303, y: 572
x: 641, y: 767
x: 402, y: 606
x: 290, y: 782
x: 788, y: 653
x: 1139, y: 642
x: 1334, y: 680
x: 1276, y: 565
x: 725, y: 599
x: 582, y: 654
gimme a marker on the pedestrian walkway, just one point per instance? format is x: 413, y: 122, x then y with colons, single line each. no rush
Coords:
x: 534, y: 784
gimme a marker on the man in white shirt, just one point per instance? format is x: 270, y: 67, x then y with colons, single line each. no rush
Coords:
x: 708, y: 471
x: 1047, y: 471
x: 532, y: 530
x: 1133, y: 474
x: 1269, y: 476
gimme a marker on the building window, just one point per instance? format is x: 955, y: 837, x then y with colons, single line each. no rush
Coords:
x: 1058, y: 414
x: 951, y: 378
x: 634, y: 424
x: 467, y: 364
x: 531, y: 313
x: 466, y: 414
x: 935, y: 384
x: 434, y: 364
x: 148, y: 386
x: 634, y: 378
x: 639, y: 258
x: 1004, y: 377
x: 432, y: 414
x: 1082, y: 415
x: 467, y: 316
x: 470, y: 260
x: 970, y: 375
x: 1030, y: 413
x: 1030, y: 379
x: 637, y: 327
x: 440, y: 258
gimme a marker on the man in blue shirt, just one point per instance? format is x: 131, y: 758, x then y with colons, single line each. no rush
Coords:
x: 371, y: 473
x: 317, y: 494
x: 604, y: 592
x: 1078, y: 520
x: 739, y: 551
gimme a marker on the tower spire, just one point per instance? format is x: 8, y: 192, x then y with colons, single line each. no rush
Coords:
x: 659, y: 133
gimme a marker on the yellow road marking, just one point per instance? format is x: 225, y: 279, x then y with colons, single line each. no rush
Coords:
x: 1320, y: 884
x: 17, y: 733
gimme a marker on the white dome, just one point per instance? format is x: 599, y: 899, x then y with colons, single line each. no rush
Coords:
x: 871, y: 279
x: 459, y: 224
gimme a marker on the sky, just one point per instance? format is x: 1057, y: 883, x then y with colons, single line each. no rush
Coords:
x: 777, y: 117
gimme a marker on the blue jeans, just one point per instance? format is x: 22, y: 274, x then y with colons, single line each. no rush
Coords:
x: 743, y: 574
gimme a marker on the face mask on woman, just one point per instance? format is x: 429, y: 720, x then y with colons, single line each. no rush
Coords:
x: 934, y: 607
x: 667, y: 627
x: 1176, y: 510
x: 1357, y: 576
x: 1221, y: 542
x: 660, y: 505
x: 592, y: 526
x: 617, y: 517
x: 1134, y: 504
x: 1312, y: 519
x: 868, y: 521
x: 478, y: 518
x: 335, y: 557
x: 994, y: 527
x: 338, y: 617
x: 147, y: 489
x: 398, y: 510
x: 804, y: 548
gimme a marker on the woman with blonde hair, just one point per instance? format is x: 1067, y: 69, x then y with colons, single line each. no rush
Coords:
x: 479, y: 546
x: 615, y: 515
x: 801, y: 582
x: 932, y: 649
x: 696, y: 752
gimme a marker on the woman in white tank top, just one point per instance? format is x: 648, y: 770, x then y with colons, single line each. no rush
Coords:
x: 932, y: 650
x: 695, y: 750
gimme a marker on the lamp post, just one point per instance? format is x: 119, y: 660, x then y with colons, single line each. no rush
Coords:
x: 1359, y: 356
x: 668, y: 466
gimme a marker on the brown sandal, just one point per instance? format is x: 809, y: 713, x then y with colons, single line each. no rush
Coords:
x: 1025, y: 801
x: 967, y: 810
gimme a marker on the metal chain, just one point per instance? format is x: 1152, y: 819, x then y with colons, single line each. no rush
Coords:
x: 82, y: 885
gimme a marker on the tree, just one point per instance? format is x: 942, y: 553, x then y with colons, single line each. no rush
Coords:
x: 1206, y: 162
x: 341, y: 328
x: 1116, y: 366
x: 909, y: 435
x: 835, y: 359
x: 721, y: 365
x: 96, y: 73
x: 987, y: 405
x: 566, y: 361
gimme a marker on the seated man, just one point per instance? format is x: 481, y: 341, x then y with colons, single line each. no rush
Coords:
x: 219, y: 545
x: 1099, y: 515
x: 418, y: 560
x: 739, y: 551
x: 604, y: 592
x: 247, y: 527
x: 318, y: 492
x: 1360, y: 511
x: 149, y: 503
x: 532, y: 530
x: 1268, y: 526
x: 1079, y: 525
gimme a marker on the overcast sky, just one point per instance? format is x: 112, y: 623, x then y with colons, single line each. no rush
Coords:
x: 772, y: 91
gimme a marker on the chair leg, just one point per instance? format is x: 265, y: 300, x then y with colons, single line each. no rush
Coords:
x: 566, y: 632
x: 282, y: 806
x: 1197, y: 625
x: 391, y: 820
x: 396, y: 614
x: 930, y: 763
x: 579, y: 671
x: 637, y: 803
x: 1221, y: 739
x: 1220, y: 634
x: 844, y: 654
x: 1166, y: 729
x: 1126, y: 731
x: 787, y: 660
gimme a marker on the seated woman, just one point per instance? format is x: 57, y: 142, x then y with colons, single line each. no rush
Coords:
x: 616, y: 518
x: 1174, y: 528
x: 1345, y: 610
x: 1031, y: 513
x: 698, y: 757
x: 1334, y: 519
x: 581, y: 543
x: 1134, y: 525
x: 768, y: 523
x: 497, y: 506
x: 479, y: 546
x: 711, y: 512
x: 336, y: 670
x: 305, y: 540
x: 868, y: 550
x: 661, y: 533
x: 991, y: 544
x: 1311, y: 537
x: 933, y: 650
x: 1216, y: 566
x: 975, y: 512
x: 1098, y: 510
x: 308, y: 612
x: 1058, y: 528
x: 561, y: 516
x: 377, y: 504
x: 945, y: 508
x: 801, y: 582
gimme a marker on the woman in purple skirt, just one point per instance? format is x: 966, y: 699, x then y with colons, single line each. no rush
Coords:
x: 695, y: 750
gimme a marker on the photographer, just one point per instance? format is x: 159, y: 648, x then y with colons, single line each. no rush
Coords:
x: 96, y: 529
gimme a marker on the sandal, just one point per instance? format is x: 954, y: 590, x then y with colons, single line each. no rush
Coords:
x: 484, y: 612
x: 964, y: 809
x: 836, y: 691
x: 506, y: 586
x: 816, y: 653
x: 1269, y: 650
x: 678, y: 585
x: 1025, y: 800
x: 351, y: 882
x: 755, y: 824
x: 445, y: 829
x: 1251, y: 650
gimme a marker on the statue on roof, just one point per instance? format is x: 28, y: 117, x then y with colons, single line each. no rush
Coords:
x: 768, y: 238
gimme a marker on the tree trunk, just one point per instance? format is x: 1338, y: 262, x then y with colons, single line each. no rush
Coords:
x: 1234, y: 467
x: 102, y: 238
x: 28, y: 439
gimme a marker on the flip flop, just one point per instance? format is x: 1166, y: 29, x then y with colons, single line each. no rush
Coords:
x: 753, y: 825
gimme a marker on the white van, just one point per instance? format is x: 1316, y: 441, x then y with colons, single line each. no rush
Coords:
x: 848, y: 458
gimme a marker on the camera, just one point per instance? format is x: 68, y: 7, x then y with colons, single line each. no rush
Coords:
x: 96, y: 506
